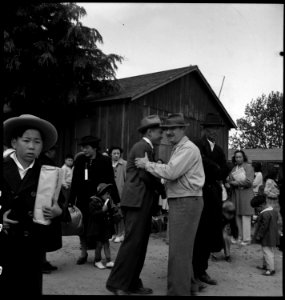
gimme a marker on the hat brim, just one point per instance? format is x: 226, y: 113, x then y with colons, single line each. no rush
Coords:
x: 108, y: 187
x: 89, y: 142
x: 212, y: 124
x: 142, y: 128
x: 48, y: 131
x: 175, y: 125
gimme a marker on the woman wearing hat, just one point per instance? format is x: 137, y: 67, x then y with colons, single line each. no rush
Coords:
x: 90, y: 169
x: 25, y: 243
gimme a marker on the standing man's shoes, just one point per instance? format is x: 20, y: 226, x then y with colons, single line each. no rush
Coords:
x: 48, y: 267
x: 207, y: 279
x: 117, y: 292
x: 142, y: 291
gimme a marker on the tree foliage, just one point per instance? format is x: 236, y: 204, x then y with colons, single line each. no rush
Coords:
x: 51, y: 58
x: 262, y: 126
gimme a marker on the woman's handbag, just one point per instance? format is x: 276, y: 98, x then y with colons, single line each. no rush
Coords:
x: 75, y: 226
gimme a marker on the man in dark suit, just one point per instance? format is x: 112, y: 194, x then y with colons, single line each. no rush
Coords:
x: 209, y: 236
x: 136, y: 203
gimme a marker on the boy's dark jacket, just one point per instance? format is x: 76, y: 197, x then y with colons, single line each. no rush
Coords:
x: 19, y: 195
x: 266, y: 230
x: 100, y: 224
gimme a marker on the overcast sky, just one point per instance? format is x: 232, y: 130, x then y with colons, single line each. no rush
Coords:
x: 240, y: 42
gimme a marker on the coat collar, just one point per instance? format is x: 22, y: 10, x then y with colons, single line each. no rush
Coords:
x: 12, y: 176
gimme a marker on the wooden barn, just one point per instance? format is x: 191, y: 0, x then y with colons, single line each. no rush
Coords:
x: 115, y: 119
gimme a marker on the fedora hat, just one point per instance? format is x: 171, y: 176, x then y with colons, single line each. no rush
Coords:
x: 149, y: 121
x: 48, y: 131
x: 174, y: 120
x: 89, y: 140
x: 102, y: 188
x: 212, y: 120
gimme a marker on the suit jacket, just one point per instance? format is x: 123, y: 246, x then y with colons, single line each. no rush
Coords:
x: 216, y: 169
x: 214, y: 162
x: 139, y: 180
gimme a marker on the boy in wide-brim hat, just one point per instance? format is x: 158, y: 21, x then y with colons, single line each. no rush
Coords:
x: 13, y: 125
x: 26, y: 241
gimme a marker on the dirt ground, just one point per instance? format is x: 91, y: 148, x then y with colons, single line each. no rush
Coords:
x: 238, y: 278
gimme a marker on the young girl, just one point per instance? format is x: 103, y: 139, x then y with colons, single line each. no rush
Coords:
x: 266, y: 233
x: 100, y: 225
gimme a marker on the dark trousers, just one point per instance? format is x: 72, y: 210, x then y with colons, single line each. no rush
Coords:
x: 201, y: 254
x: 22, y: 267
x: 209, y: 236
x: 125, y: 275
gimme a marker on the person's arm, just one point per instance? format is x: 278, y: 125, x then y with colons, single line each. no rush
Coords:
x: 249, y: 174
x: 75, y: 182
x: 64, y: 184
x: 181, y: 161
x: 96, y: 208
x: 262, y: 226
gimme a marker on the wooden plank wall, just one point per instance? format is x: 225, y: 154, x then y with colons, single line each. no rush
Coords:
x: 116, y: 123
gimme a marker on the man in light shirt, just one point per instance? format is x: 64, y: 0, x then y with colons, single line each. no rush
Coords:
x: 184, y: 176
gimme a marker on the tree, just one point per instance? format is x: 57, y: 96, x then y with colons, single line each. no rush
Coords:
x: 51, y: 59
x: 262, y: 126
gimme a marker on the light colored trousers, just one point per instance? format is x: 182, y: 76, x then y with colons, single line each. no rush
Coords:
x: 244, y: 227
x: 268, y: 257
x: 184, y: 216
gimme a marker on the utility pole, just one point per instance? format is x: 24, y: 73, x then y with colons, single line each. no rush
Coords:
x: 221, y: 87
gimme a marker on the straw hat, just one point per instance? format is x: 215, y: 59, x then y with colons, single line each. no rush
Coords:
x: 48, y: 131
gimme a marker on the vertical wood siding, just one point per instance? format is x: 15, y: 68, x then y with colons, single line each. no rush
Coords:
x: 116, y: 123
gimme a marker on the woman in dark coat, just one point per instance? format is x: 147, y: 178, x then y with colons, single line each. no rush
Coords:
x: 24, y: 241
x: 90, y: 169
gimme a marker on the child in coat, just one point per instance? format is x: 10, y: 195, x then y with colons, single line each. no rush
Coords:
x: 266, y: 233
x: 229, y: 227
x: 100, y: 225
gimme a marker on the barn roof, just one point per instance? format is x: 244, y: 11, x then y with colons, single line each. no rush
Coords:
x: 274, y: 155
x: 135, y: 87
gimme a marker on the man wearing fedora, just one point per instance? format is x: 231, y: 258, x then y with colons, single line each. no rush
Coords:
x: 25, y: 241
x: 209, y: 236
x: 184, y: 175
x: 90, y: 169
x: 136, y: 204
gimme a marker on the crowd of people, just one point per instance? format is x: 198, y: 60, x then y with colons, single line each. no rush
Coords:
x: 208, y: 205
